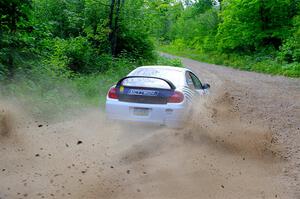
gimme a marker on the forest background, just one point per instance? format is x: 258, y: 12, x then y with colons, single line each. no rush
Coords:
x: 67, y: 53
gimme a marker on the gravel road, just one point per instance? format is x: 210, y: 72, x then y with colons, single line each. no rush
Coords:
x: 243, y: 142
x: 273, y: 101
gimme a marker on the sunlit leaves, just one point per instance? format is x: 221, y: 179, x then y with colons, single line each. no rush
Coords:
x: 251, y: 24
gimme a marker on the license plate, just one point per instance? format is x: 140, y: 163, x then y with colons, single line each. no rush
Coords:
x: 141, y: 111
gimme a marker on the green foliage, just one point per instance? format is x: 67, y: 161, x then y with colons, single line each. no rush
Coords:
x: 133, y: 34
x: 164, y: 61
x: 14, y: 38
x: 136, y: 44
x: 75, y: 54
x: 254, y: 35
x: 203, y: 6
x: 234, y: 32
x: 252, y: 24
x: 70, y: 35
x: 13, y: 14
x: 290, y: 50
x: 196, y: 30
x: 62, y: 18
x: 57, y: 54
x: 161, y: 16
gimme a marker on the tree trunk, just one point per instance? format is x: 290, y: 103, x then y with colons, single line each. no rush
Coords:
x: 110, y: 23
x: 220, y: 4
x: 115, y: 10
x: 13, y: 29
x: 13, y: 21
x: 116, y: 29
x: 10, y: 63
x: 263, y: 16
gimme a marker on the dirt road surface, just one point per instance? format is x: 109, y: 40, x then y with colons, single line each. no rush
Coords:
x: 243, y: 142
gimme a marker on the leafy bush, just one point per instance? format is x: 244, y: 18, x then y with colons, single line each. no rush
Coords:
x: 75, y: 54
x: 135, y: 44
x: 166, y: 61
x: 178, y: 44
x: 290, y: 51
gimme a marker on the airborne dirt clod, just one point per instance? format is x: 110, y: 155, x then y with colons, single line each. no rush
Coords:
x: 5, y: 124
x: 229, y: 149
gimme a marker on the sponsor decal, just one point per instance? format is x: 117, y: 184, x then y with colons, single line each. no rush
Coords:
x: 121, y: 89
x: 143, y: 92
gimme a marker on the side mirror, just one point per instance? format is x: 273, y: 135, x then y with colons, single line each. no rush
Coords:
x: 205, y: 86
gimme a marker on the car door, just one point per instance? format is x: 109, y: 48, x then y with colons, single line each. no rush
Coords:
x: 189, y: 89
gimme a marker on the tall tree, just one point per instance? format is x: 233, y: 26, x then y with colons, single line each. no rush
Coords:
x: 114, y: 16
x: 13, y: 18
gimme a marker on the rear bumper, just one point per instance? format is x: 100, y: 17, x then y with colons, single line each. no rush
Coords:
x: 171, y: 115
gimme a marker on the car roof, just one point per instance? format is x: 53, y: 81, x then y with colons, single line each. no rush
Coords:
x: 180, y: 69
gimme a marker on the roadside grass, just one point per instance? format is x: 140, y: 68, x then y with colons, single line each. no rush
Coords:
x: 258, y: 63
x: 48, y: 96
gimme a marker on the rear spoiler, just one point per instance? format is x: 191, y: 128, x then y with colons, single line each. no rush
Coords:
x: 128, y: 77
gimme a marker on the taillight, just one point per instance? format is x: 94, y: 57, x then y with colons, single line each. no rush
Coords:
x: 112, y: 93
x: 177, y: 97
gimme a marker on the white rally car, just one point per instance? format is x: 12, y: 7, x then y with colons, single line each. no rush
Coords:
x: 160, y: 95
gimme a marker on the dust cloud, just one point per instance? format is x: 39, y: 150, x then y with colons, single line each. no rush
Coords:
x: 216, y: 155
x: 217, y: 122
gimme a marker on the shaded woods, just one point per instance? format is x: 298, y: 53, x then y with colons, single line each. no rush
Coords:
x: 77, y: 35
x: 62, y: 53
x: 84, y: 36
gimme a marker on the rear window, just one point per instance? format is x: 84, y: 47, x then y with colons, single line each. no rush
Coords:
x: 173, y: 76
